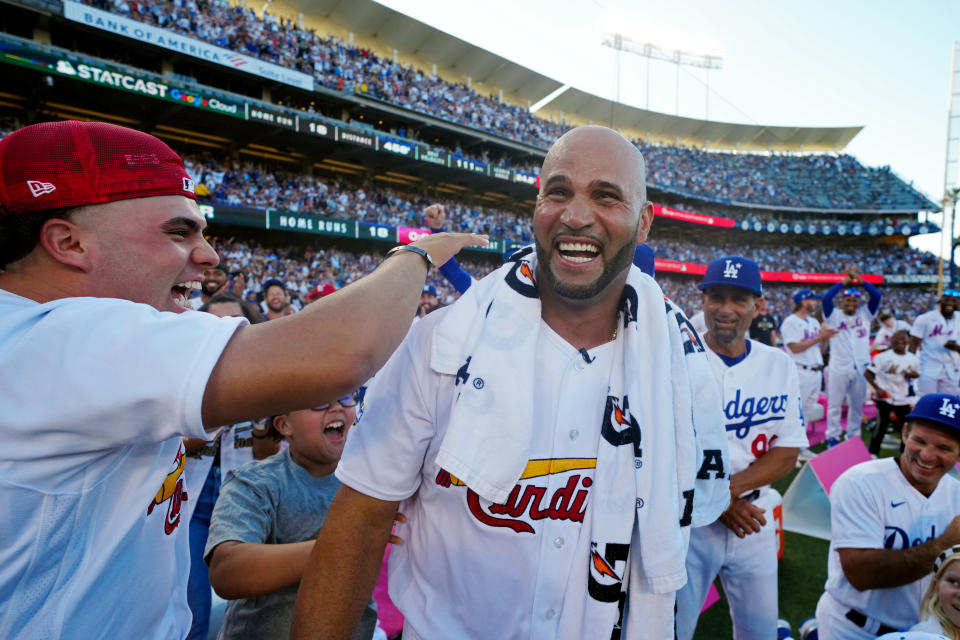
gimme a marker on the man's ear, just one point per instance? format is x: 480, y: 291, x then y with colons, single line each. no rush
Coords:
x: 646, y: 219
x: 68, y: 243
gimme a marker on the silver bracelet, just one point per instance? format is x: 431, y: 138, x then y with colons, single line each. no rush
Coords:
x: 417, y: 250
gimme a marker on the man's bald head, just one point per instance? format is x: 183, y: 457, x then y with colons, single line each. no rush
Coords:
x: 620, y: 151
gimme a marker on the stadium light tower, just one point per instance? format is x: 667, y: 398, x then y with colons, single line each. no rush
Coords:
x: 706, y: 57
x: 950, y: 170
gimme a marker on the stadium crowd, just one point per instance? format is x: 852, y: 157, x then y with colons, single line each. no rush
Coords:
x: 301, y: 270
x: 813, y: 180
x: 256, y: 186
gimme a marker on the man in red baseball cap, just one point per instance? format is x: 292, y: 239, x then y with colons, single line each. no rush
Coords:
x: 101, y: 242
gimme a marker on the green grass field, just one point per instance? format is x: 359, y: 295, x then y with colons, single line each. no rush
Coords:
x: 803, y: 572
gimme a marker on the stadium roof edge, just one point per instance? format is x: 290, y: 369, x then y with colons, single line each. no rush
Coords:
x: 373, y: 21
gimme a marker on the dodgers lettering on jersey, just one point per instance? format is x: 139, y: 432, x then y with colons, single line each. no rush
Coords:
x: 761, y: 404
x: 744, y: 413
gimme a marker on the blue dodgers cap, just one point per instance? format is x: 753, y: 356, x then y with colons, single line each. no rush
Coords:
x: 643, y: 259
x: 429, y: 288
x: 733, y: 271
x: 850, y: 293
x: 274, y: 282
x: 804, y: 294
x: 941, y: 408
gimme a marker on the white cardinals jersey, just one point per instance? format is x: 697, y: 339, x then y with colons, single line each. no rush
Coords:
x: 514, y: 558
x: 797, y: 329
x: 761, y: 403
x: 872, y: 506
x: 936, y: 361
x: 850, y: 348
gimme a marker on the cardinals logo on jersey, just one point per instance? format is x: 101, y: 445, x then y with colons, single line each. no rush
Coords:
x: 527, y: 503
x: 171, y: 492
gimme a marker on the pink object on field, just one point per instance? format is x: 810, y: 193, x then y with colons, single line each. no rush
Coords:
x: 391, y: 620
x: 831, y: 463
x: 712, y: 598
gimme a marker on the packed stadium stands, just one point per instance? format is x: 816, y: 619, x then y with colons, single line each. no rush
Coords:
x: 811, y: 181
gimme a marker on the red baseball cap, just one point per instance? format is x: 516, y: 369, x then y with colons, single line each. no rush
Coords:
x: 53, y: 165
x: 321, y: 290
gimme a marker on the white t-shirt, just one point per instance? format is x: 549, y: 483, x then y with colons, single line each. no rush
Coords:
x: 889, y: 368
x: 850, y: 347
x: 872, y: 506
x: 936, y: 361
x: 96, y: 394
x: 797, y: 329
x: 465, y: 564
x: 884, y: 333
x: 761, y: 404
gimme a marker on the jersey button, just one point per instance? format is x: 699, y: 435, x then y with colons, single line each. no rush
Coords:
x: 578, y: 364
x: 574, y: 434
x: 549, y: 614
x: 558, y: 542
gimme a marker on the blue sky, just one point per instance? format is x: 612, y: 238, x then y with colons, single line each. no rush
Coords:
x: 881, y: 64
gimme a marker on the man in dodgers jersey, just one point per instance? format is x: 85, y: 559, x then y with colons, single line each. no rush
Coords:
x: 102, y: 372
x: 849, y: 352
x: 889, y: 519
x: 935, y: 333
x: 803, y: 335
x: 765, y: 433
x: 527, y: 565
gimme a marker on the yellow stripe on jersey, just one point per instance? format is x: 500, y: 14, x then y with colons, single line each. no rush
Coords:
x: 537, y: 468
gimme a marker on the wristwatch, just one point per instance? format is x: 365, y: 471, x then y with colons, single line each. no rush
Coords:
x: 417, y: 250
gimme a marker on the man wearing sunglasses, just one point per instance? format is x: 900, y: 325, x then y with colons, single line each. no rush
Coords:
x: 266, y: 519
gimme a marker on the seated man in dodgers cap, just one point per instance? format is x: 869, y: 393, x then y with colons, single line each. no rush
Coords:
x: 889, y: 520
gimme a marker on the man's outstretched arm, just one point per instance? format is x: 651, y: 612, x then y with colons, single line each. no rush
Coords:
x: 343, y: 566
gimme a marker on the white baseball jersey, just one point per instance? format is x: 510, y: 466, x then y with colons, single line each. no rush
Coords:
x: 884, y: 333
x: 872, y: 506
x: 96, y: 394
x: 850, y: 348
x: 889, y: 368
x: 797, y: 329
x: 761, y: 405
x: 464, y: 558
x: 936, y: 361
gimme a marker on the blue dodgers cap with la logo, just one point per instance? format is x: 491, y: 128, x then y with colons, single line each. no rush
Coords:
x: 733, y: 271
x: 941, y: 408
